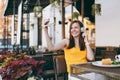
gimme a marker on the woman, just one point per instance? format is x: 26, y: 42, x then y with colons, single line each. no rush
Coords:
x: 76, y: 48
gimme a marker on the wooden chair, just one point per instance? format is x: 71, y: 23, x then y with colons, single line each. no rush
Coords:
x: 60, y: 68
x: 108, y: 54
x: 48, y: 75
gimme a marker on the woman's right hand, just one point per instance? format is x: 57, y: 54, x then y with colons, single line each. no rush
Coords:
x: 85, y: 36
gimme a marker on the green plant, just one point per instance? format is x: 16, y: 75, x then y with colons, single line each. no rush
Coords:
x: 52, y: 1
x: 37, y: 11
x: 75, y: 15
x: 96, y: 9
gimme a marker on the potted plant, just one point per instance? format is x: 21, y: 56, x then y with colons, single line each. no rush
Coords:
x: 37, y: 11
x: 75, y: 15
x: 96, y: 9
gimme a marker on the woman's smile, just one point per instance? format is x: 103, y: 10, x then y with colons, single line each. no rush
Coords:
x: 75, y: 31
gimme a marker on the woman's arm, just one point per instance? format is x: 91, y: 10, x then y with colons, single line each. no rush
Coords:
x: 90, y: 53
x: 50, y: 45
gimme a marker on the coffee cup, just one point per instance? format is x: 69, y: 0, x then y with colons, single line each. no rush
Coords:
x: 117, y: 57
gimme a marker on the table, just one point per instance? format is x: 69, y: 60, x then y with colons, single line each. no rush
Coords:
x: 47, y: 53
x: 113, y: 73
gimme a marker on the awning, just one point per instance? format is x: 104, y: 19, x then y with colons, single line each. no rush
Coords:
x: 11, y: 3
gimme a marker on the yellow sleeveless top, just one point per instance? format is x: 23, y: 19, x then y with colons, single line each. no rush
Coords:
x: 74, y: 56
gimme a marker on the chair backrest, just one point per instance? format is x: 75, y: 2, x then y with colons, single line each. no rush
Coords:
x: 60, y: 64
x: 108, y: 54
x: 60, y: 67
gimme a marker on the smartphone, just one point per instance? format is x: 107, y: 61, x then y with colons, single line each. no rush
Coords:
x: 46, y: 22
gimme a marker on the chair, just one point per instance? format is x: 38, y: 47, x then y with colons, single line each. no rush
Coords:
x: 60, y: 68
x: 48, y: 75
x: 58, y: 71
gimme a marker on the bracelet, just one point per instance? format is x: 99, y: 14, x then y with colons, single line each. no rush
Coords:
x: 87, y: 43
x: 45, y: 27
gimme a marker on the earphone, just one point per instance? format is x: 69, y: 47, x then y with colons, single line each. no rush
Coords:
x: 82, y: 29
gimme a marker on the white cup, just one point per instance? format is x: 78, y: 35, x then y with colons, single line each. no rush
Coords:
x: 117, y: 57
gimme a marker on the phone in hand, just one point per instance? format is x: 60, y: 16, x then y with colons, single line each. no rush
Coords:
x: 46, y: 22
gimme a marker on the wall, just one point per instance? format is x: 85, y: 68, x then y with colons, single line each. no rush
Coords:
x: 3, y: 6
x: 54, y: 29
x: 108, y: 24
x: 33, y: 34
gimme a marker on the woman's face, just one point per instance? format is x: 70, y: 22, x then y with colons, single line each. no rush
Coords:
x: 75, y: 30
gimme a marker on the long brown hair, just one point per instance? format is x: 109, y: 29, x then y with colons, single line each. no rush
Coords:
x: 81, y: 39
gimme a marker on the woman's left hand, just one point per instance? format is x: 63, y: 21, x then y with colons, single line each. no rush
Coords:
x: 85, y: 36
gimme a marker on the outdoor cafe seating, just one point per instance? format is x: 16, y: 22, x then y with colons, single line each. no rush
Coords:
x: 52, y: 69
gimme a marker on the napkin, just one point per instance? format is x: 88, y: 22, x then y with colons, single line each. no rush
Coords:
x: 93, y: 76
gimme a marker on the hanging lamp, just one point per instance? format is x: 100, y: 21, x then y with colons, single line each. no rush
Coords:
x: 37, y: 9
